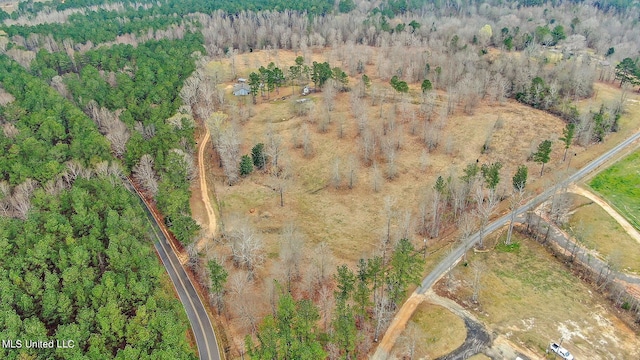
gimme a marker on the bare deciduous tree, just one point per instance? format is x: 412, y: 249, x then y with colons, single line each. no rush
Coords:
x: 382, y: 315
x: 21, y: 198
x: 274, y: 147
x: 329, y: 94
x: 147, y: 131
x: 368, y: 146
x: 411, y: 340
x: 116, y: 131
x: 436, y: 213
x: 307, y: 144
x: 321, y: 268
x: 5, y: 198
x: 326, y: 304
x: 291, y: 252
x: 228, y: 146
x: 376, y: 178
x: 143, y: 173
x: 247, y: 247
x: 118, y: 135
x: 58, y: 84
x: 424, y: 160
x: 280, y: 179
x: 485, y: 208
x: 352, y: 171
x: 559, y: 208
x: 192, y: 257
x: 244, y: 303
x: 336, y: 174
x: 10, y: 131
x: 458, y: 196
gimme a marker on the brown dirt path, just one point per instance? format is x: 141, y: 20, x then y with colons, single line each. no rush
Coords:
x: 204, y: 191
x: 397, y: 325
x: 606, y: 207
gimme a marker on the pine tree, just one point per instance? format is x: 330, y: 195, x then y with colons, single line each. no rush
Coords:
x: 218, y: 276
x: 258, y: 156
x: 543, y: 155
x: 246, y: 165
x: 567, y: 138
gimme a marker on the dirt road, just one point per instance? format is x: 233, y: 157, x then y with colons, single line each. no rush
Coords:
x: 204, y: 191
x: 611, y: 211
x: 397, y: 326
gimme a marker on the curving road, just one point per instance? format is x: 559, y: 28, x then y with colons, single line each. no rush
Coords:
x: 397, y: 324
x: 200, y: 323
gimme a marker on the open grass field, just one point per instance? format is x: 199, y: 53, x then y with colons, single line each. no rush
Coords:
x: 532, y: 299
x: 352, y: 220
x: 620, y: 186
x: 433, y: 340
x: 599, y: 232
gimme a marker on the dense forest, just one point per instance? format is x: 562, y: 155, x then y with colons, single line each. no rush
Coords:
x: 76, y: 262
x: 143, y: 90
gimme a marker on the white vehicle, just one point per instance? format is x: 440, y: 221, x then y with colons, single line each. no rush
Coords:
x: 564, y: 353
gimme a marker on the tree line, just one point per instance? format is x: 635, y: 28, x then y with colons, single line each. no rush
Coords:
x: 181, y: 8
x: 97, y: 26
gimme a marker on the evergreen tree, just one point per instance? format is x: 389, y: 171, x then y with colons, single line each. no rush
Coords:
x: 543, y: 155
x: 519, y: 180
x: 491, y: 174
x: 567, y: 138
x: 289, y: 334
x: 345, y: 331
x: 345, y: 282
x: 362, y: 293
x: 246, y: 165
x: 254, y: 85
x: 426, y: 85
x: 258, y: 156
x: 406, y: 268
x: 218, y: 276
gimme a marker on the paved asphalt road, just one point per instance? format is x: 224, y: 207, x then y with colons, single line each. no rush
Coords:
x: 200, y: 322
x: 457, y: 253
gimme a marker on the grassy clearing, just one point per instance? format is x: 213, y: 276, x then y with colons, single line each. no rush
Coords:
x: 437, y: 332
x: 597, y: 230
x: 352, y: 221
x: 532, y: 299
x: 620, y: 186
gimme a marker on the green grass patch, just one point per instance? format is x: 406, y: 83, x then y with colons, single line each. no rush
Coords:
x: 513, y: 247
x: 620, y: 186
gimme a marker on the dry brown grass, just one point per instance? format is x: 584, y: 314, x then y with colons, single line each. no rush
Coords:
x: 438, y: 332
x: 480, y: 357
x: 532, y: 299
x: 351, y: 221
x: 598, y: 231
